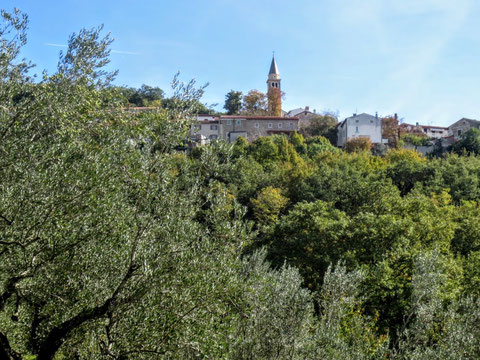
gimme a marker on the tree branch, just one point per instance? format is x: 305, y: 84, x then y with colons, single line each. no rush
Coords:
x: 9, y: 290
x: 6, y: 352
x: 9, y: 222
x: 59, y: 333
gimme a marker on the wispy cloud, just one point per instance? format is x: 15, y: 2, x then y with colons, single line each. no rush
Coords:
x: 124, y: 52
x: 56, y: 45
x: 113, y: 51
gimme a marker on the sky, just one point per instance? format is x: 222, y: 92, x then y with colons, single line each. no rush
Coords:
x: 417, y: 58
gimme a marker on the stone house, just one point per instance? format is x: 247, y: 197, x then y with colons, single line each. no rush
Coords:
x: 304, y: 115
x: 253, y: 127
x: 461, y: 126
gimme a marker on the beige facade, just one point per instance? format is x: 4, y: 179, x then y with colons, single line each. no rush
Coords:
x: 253, y: 127
x: 206, y: 130
x: 432, y: 132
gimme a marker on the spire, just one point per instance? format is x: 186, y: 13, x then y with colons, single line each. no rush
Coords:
x: 273, y: 67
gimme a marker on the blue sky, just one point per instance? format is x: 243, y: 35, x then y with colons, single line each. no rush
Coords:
x: 417, y: 58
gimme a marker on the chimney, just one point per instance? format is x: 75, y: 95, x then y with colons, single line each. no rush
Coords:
x: 307, y: 108
x: 376, y: 114
x: 416, y: 124
x: 314, y: 111
x: 396, y: 116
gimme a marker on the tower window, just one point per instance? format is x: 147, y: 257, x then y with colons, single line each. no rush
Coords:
x: 280, y: 125
x: 239, y: 122
x: 270, y: 125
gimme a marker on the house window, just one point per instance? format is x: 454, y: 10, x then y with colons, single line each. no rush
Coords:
x: 459, y: 132
x: 198, y: 127
x: 213, y: 127
x: 356, y: 129
x: 239, y: 122
x: 291, y: 125
x: 270, y: 125
x: 229, y: 122
x: 280, y: 125
x: 356, y: 121
x: 213, y: 137
x: 257, y: 125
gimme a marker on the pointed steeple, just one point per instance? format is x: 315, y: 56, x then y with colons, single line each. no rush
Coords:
x: 273, y: 67
x: 274, y: 92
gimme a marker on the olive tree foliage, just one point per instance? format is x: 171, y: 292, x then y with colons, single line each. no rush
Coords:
x: 341, y: 331
x: 111, y: 244
x: 12, y: 37
x: 85, y: 58
x: 436, y: 328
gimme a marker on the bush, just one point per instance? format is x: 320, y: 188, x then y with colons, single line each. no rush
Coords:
x: 358, y: 145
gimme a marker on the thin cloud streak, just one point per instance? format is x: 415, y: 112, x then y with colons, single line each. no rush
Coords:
x: 55, y: 45
x: 124, y: 52
x: 121, y: 52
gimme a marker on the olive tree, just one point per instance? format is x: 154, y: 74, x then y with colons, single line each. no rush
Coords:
x: 114, y: 245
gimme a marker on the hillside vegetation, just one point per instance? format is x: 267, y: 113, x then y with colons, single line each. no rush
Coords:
x: 117, y: 244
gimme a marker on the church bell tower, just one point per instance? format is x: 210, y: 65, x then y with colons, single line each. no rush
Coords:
x: 274, y: 92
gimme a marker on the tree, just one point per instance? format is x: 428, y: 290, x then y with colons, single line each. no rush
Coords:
x: 85, y: 59
x: 233, y: 102
x: 323, y: 125
x: 358, y: 145
x: 469, y: 142
x: 264, y: 150
x: 390, y: 130
x: 407, y: 168
x: 274, y: 100
x: 414, y: 139
x: 268, y: 205
x: 115, y: 246
x: 255, y: 103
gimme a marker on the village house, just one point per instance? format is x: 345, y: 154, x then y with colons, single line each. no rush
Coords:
x: 304, y: 115
x: 253, y: 127
x: 432, y: 132
x: 207, y: 128
x: 461, y: 126
x: 360, y: 126
x: 230, y: 127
